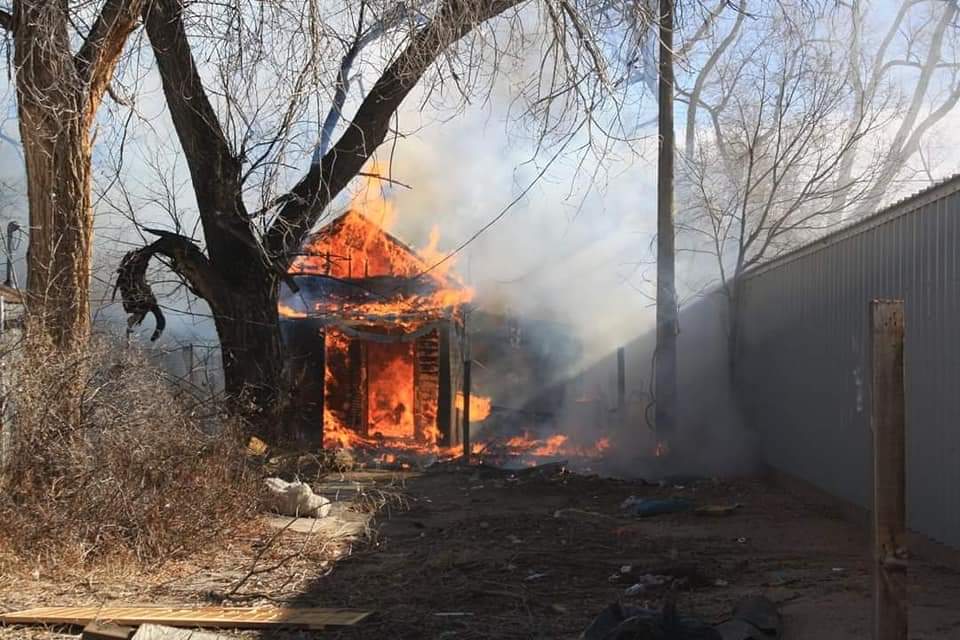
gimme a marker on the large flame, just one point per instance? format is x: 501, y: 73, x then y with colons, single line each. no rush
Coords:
x: 377, y: 282
x: 374, y: 281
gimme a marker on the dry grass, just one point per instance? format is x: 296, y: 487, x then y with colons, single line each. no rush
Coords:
x: 133, y: 475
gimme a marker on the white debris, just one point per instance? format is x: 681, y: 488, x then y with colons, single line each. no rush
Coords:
x: 295, y: 499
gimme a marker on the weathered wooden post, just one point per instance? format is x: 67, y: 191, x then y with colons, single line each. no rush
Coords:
x: 621, y: 386
x: 888, y: 421
x: 466, y: 409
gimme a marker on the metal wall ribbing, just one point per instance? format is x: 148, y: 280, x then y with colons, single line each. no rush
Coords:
x: 803, y: 369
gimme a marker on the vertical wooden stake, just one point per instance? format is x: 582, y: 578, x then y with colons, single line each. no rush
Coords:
x: 888, y: 420
x: 466, y: 410
x: 621, y: 386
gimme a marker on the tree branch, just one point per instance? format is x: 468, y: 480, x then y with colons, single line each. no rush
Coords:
x: 185, y: 259
x: 6, y: 20
x: 307, y: 200
x: 214, y: 169
x: 103, y: 45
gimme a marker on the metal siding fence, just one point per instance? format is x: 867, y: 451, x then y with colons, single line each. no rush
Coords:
x: 804, y: 368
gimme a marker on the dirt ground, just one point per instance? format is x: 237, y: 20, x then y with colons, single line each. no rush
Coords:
x: 476, y: 553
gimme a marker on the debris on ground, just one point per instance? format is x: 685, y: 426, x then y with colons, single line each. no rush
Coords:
x: 647, y: 507
x: 107, y: 631
x: 717, y: 509
x: 754, y: 618
x: 625, y: 622
x: 159, y: 632
x: 295, y: 499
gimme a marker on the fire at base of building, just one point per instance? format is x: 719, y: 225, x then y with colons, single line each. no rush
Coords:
x: 376, y: 336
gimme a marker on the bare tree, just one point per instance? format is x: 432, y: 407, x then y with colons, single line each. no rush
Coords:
x: 916, y: 62
x: 62, y: 71
x: 763, y: 177
x: 246, y: 248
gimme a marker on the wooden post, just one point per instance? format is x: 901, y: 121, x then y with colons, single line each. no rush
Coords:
x: 621, y: 385
x: 665, y: 364
x: 466, y: 409
x: 888, y: 421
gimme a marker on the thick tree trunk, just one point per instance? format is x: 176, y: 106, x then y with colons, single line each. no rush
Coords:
x: 61, y: 232
x: 54, y: 130
x: 253, y: 357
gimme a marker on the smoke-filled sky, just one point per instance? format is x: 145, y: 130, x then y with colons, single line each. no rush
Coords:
x: 576, y: 247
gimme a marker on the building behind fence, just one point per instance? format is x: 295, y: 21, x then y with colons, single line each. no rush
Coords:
x: 803, y: 362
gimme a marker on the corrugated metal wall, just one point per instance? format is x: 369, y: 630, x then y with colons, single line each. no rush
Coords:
x: 803, y: 375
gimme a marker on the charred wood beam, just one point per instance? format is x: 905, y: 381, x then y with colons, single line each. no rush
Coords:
x: 302, y: 206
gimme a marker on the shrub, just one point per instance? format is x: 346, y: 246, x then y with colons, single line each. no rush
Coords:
x: 135, y: 472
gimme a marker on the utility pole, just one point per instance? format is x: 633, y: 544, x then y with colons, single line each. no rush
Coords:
x: 665, y: 373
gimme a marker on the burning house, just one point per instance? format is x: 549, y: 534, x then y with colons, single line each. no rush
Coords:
x: 377, y: 337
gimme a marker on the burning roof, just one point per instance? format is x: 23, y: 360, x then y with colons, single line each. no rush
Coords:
x: 355, y: 271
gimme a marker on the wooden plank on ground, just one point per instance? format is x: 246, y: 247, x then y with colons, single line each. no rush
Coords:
x: 212, y: 617
x: 888, y: 419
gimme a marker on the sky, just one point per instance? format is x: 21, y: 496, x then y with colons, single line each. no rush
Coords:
x: 573, y: 245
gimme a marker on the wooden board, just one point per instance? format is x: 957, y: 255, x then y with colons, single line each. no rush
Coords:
x: 213, y: 617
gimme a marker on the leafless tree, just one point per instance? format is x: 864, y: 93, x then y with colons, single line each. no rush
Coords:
x: 763, y: 176
x: 917, y: 61
x: 64, y: 55
x: 242, y: 105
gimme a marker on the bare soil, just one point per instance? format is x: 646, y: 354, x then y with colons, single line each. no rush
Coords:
x: 491, y: 557
x: 456, y: 553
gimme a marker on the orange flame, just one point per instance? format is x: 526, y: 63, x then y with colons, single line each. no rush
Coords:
x: 381, y: 282
x: 479, y: 406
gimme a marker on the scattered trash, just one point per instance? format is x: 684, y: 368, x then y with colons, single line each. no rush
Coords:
x: 717, y: 510
x: 514, y: 539
x: 558, y: 608
x: 838, y: 569
x: 720, y: 583
x: 295, y: 499
x: 742, y: 540
x: 625, y: 622
x: 754, y: 618
x: 535, y: 576
x: 646, y: 583
x: 646, y: 507
x: 626, y: 568
x: 682, y: 573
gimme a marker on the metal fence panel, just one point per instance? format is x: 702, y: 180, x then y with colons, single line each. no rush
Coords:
x: 803, y: 360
